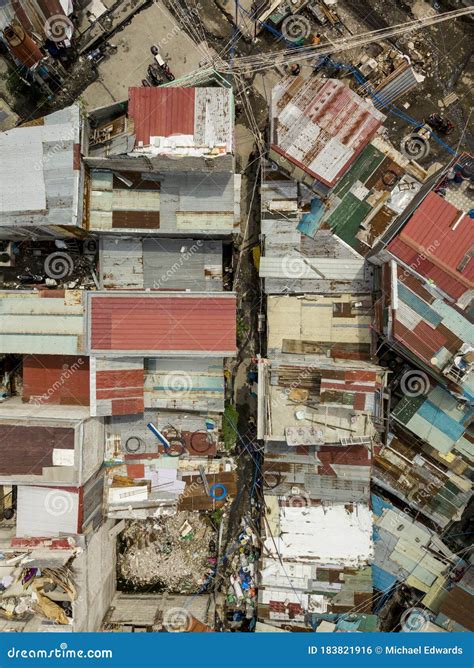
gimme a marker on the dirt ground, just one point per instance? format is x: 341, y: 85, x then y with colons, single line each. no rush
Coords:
x: 446, y: 61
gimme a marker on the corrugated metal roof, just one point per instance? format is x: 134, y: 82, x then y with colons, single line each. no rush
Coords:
x: 161, y: 112
x: 402, y: 549
x: 182, y: 264
x: 443, y: 236
x: 184, y: 121
x: 313, y: 267
x: 458, y: 603
x: 31, y: 323
x: 428, y: 326
x: 165, y: 323
x: 426, y: 268
x: 436, y: 418
x: 40, y: 181
x: 369, y: 196
x: 121, y: 263
x: 402, y: 469
x: 178, y: 203
x: 329, y: 473
x: 399, y: 82
x: 56, y: 379
x: 161, y: 263
x: 321, y: 125
x: 185, y: 384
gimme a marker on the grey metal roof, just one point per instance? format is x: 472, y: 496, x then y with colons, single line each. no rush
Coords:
x: 295, y: 263
x: 396, y: 85
x: 40, y: 185
x: 160, y: 263
x: 193, y: 203
x: 183, y: 264
x: 121, y: 263
x: 197, y: 202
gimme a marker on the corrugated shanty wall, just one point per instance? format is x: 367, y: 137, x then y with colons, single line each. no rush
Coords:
x: 117, y: 386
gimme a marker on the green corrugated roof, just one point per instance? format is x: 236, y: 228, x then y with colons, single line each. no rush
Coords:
x: 407, y: 407
x: 345, y: 220
x: 364, y: 166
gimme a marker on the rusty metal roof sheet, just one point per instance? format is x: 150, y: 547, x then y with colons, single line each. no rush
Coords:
x: 161, y: 112
x: 321, y: 125
x: 204, y: 116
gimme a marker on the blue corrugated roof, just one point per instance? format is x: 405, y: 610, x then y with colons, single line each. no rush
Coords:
x: 453, y: 320
x: 418, y: 305
x: 309, y: 223
x: 435, y: 415
x: 383, y: 581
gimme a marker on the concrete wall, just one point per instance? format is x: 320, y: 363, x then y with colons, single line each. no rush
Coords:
x: 95, y: 571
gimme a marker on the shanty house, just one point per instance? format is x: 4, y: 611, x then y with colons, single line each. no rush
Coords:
x: 42, y: 177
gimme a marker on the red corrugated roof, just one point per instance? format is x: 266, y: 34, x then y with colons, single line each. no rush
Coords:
x: 422, y: 346
x: 161, y: 112
x: 435, y: 242
x: 424, y: 267
x: 56, y: 379
x: 161, y: 322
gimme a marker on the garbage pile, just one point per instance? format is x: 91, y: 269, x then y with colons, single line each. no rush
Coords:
x: 241, y: 599
x: 27, y: 591
x: 49, y: 264
x: 175, y: 553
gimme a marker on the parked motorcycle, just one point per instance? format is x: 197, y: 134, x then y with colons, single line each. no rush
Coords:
x: 153, y: 75
x: 162, y: 64
x: 169, y: 75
